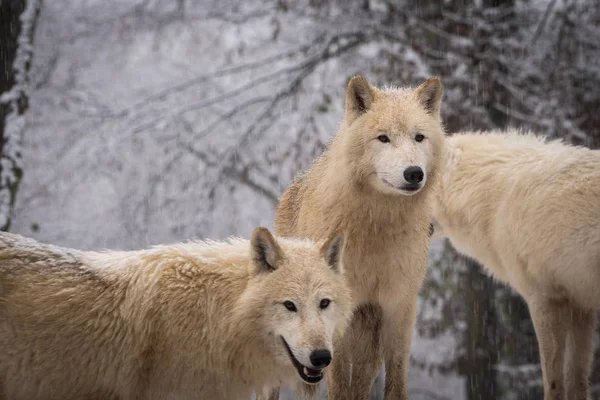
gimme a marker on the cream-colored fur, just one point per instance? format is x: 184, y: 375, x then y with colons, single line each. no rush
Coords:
x: 357, y: 186
x: 529, y: 211
x: 197, y: 320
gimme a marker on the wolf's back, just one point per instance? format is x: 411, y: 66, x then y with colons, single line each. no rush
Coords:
x: 19, y: 252
x: 288, y: 209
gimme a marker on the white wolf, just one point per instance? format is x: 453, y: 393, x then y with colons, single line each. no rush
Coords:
x: 374, y: 182
x: 198, y: 320
x: 529, y: 211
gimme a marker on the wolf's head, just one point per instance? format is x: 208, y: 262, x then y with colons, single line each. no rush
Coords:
x: 393, y: 136
x: 302, y: 299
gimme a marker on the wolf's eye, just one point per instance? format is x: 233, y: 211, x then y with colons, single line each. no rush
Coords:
x: 383, y: 138
x: 324, y: 303
x: 290, y: 306
x: 419, y: 137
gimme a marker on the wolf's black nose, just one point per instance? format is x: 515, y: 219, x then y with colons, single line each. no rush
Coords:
x: 320, y: 358
x: 413, y: 174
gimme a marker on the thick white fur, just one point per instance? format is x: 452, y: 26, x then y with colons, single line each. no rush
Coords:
x: 358, y: 186
x: 197, y: 320
x: 529, y: 211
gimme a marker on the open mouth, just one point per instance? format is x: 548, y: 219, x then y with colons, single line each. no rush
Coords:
x: 308, y: 375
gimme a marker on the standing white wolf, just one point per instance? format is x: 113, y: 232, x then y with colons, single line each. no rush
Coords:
x: 198, y: 320
x: 529, y: 211
x: 374, y: 183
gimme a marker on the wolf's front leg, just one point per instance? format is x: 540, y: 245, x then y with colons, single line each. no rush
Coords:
x: 550, y: 320
x: 579, y: 353
x: 338, y: 374
x: 307, y: 392
x: 367, y: 350
x: 398, y: 324
x: 272, y: 394
x: 362, y: 348
x: 303, y: 392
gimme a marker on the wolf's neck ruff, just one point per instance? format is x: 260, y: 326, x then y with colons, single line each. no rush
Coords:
x: 350, y: 202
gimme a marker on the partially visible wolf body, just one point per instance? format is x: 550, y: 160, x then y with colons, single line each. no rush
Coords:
x: 197, y: 320
x: 374, y: 183
x: 529, y: 211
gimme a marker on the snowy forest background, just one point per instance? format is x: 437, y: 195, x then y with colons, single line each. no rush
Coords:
x: 127, y: 123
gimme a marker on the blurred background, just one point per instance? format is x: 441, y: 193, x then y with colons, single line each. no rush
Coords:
x: 127, y: 123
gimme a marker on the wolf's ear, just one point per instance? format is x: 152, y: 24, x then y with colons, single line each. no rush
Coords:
x: 359, y: 97
x: 332, y: 251
x: 266, y: 253
x: 430, y: 95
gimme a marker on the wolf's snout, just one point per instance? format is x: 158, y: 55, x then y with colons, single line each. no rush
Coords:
x: 320, y: 358
x: 413, y: 174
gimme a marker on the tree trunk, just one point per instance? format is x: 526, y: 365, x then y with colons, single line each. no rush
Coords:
x: 17, y: 25
x: 481, y: 342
